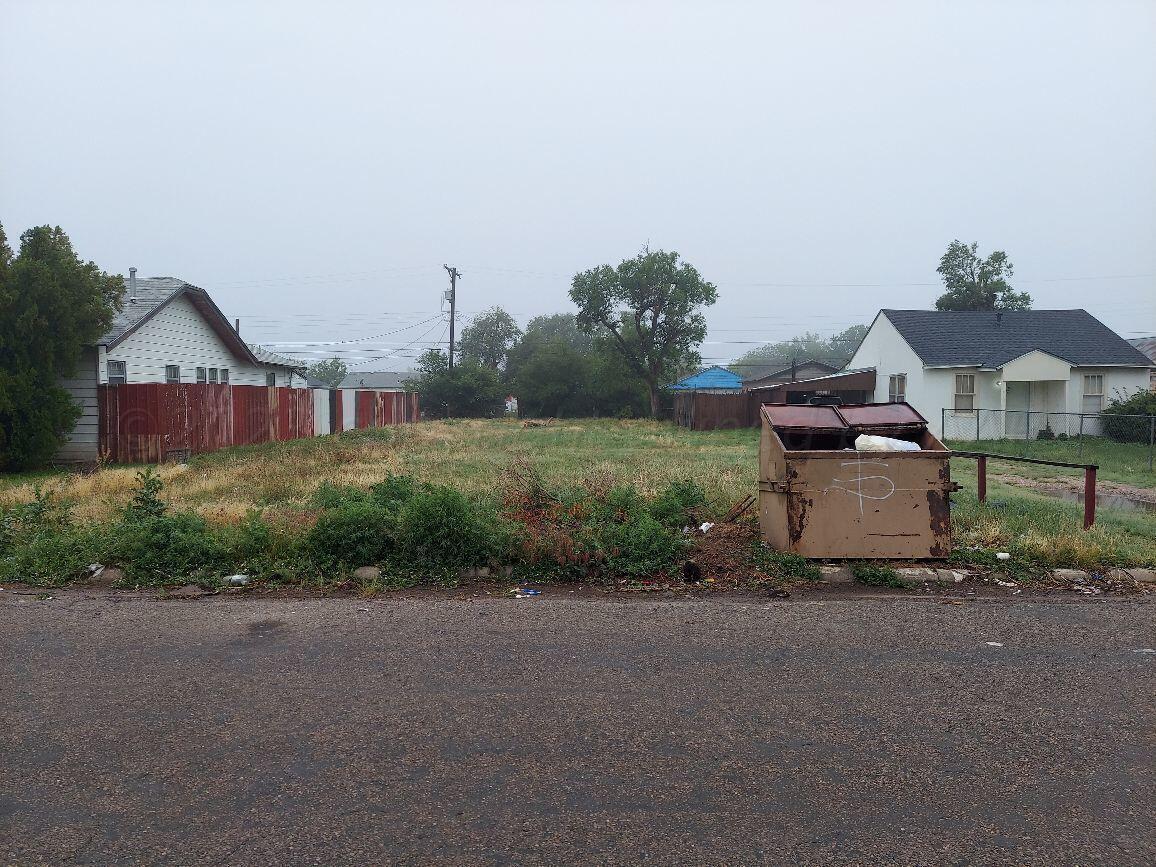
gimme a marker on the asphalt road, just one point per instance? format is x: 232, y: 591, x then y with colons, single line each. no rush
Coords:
x: 237, y: 731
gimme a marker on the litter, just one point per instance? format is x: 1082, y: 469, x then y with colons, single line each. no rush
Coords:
x: 1003, y: 555
x: 524, y: 592
x: 870, y: 443
x: 993, y: 644
x: 705, y: 527
x: 237, y: 580
x: 1006, y: 583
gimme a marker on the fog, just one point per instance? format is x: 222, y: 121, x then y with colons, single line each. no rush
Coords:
x: 314, y: 165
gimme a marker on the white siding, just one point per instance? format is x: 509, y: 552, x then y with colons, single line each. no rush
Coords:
x: 178, y: 334
x: 321, y: 411
x: 348, y: 408
x: 83, y: 442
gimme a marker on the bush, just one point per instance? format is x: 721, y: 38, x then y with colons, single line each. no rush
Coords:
x: 439, y: 528
x: 355, y: 534
x: 785, y: 564
x: 639, y: 546
x: 875, y: 575
x: 677, y: 506
x: 159, y: 550
x: 1129, y: 430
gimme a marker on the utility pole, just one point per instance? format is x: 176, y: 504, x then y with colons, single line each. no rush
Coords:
x: 454, y: 275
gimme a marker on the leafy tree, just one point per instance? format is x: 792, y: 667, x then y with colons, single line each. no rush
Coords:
x: 973, y: 283
x: 51, y: 306
x: 330, y: 371
x: 488, y: 338
x: 836, y: 350
x: 469, y: 389
x: 648, y: 308
x: 558, y: 370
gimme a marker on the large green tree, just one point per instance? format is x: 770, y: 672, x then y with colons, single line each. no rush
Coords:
x: 836, y: 350
x: 469, y: 389
x: 649, y: 308
x: 51, y: 306
x: 330, y: 371
x: 975, y: 283
x: 488, y: 338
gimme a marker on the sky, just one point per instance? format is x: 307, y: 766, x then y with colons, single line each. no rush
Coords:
x: 313, y: 166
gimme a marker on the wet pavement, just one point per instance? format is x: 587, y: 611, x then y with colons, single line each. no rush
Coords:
x: 479, y: 731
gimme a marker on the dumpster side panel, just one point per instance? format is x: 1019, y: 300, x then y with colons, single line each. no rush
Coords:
x: 882, y: 504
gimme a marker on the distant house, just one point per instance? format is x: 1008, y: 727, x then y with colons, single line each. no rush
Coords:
x: 168, y: 331
x: 809, y: 369
x: 1147, y: 345
x: 718, y: 380
x: 377, y: 381
x: 1036, y: 364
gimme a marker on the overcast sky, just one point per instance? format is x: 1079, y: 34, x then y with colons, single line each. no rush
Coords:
x: 313, y: 165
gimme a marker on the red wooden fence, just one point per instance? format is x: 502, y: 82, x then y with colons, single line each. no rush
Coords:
x: 150, y: 422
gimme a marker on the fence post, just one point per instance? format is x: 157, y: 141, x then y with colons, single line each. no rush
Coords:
x: 1089, y: 496
x: 977, y: 412
x: 981, y: 475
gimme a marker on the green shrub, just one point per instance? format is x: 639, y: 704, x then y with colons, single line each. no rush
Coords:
x: 439, y: 528
x: 52, y: 556
x: 172, y: 547
x: 395, y: 491
x: 676, y: 506
x: 356, y: 534
x: 330, y: 496
x: 785, y: 564
x: 639, y: 546
x: 1129, y: 430
x: 146, y: 501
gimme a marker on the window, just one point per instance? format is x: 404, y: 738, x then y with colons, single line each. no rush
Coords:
x: 965, y: 392
x: 1093, y: 394
x: 172, y: 373
x: 897, y: 388
x: 116, y: 373
x: 212, y: 374
x: 270, y: 379
x: 201, y: 375
x: 225, y: 375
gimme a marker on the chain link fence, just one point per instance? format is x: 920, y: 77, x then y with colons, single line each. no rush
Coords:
x: 1070, y: 436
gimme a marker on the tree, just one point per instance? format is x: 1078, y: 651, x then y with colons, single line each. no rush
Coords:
x: 649, y: 310
x: 330, y: 371
x: 836, y: 351
x: 51, y: 306
x: 973, y: 283
x: 488, y: 338
x: 469, y: 389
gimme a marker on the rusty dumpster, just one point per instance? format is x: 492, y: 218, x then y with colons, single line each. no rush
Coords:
x: 819, y: 497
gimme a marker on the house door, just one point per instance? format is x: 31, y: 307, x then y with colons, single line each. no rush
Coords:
x: 1015, y: 419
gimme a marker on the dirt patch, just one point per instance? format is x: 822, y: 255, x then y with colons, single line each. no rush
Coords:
x: 1072, y: 485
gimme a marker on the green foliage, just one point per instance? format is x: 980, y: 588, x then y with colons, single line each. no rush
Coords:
x: 649, y: 310
x: 785, y: 564
x: 330, y: 371
x: 469, y: 389
x: 355, y: 533
x: 1129, y: 430
x: 677, y: 506
x: 51, y: 305
x: 876, y: 575
x: 146, y: 501
x: 439, y: 528
x: 176, y: 546
x: 973, y: 283
x: 488, y: 338
x: 836, y: 351
x: 639, y: 545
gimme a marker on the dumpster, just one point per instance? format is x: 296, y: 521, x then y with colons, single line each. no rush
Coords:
x: 819, y: 497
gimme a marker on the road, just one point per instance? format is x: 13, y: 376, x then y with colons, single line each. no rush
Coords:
x: 482, y: 731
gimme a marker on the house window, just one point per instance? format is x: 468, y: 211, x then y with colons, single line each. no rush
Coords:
x: 965, y: 392
x: 897, y: 388
x: 116, y: 373
x: 172, y: 373
x: 202, y: 375
x: 224, y: 376
x: 270, y: 379
x: 212, y: 374
x: 1093, y: 394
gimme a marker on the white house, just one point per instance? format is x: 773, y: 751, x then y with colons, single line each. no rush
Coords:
x: 167, y: 331
x: 1044, y: 368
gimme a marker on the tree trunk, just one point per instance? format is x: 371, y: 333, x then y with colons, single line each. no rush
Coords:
x: 654, y: 403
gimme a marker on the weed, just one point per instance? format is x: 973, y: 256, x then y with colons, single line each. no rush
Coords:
x: 784, y: 564
x: 876, y: 575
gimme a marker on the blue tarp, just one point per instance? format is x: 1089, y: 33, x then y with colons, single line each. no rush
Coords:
x: 714, y: 378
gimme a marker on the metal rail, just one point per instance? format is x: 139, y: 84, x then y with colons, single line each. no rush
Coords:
x: 1089, y: 477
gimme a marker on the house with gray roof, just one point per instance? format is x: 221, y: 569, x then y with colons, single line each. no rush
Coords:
x: 1040, y: 368
x: 167, y: 331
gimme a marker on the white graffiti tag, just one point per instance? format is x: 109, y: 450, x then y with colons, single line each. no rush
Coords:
x: 881, y: 491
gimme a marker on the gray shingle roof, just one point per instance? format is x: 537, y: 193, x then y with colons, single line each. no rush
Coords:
x: 151, y: 293
x: 991, y: 340
x: 1147, y: 345
x: 266, y: 356
x: 378, y: 379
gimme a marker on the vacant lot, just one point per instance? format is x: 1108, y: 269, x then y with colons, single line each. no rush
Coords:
x: 475, y: 457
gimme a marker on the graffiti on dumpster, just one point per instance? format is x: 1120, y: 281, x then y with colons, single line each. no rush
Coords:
x: 881, y: 490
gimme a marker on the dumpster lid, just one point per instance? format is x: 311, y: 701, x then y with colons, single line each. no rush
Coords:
x: 881, y: 415
x: 804, y: 416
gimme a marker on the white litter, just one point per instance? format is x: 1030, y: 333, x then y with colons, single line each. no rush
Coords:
x: 1003, y: 555
x: 1006, y: 583
x: 706, y: 526
x: 868, y: 443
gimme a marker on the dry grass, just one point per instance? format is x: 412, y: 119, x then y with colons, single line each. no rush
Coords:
x: 471, y: 455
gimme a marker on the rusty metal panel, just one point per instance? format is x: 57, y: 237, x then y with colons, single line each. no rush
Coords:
x: 881, y: 414
x: 786, y: 415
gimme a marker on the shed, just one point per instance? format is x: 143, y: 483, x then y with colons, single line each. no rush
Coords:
x: 715, y: 379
